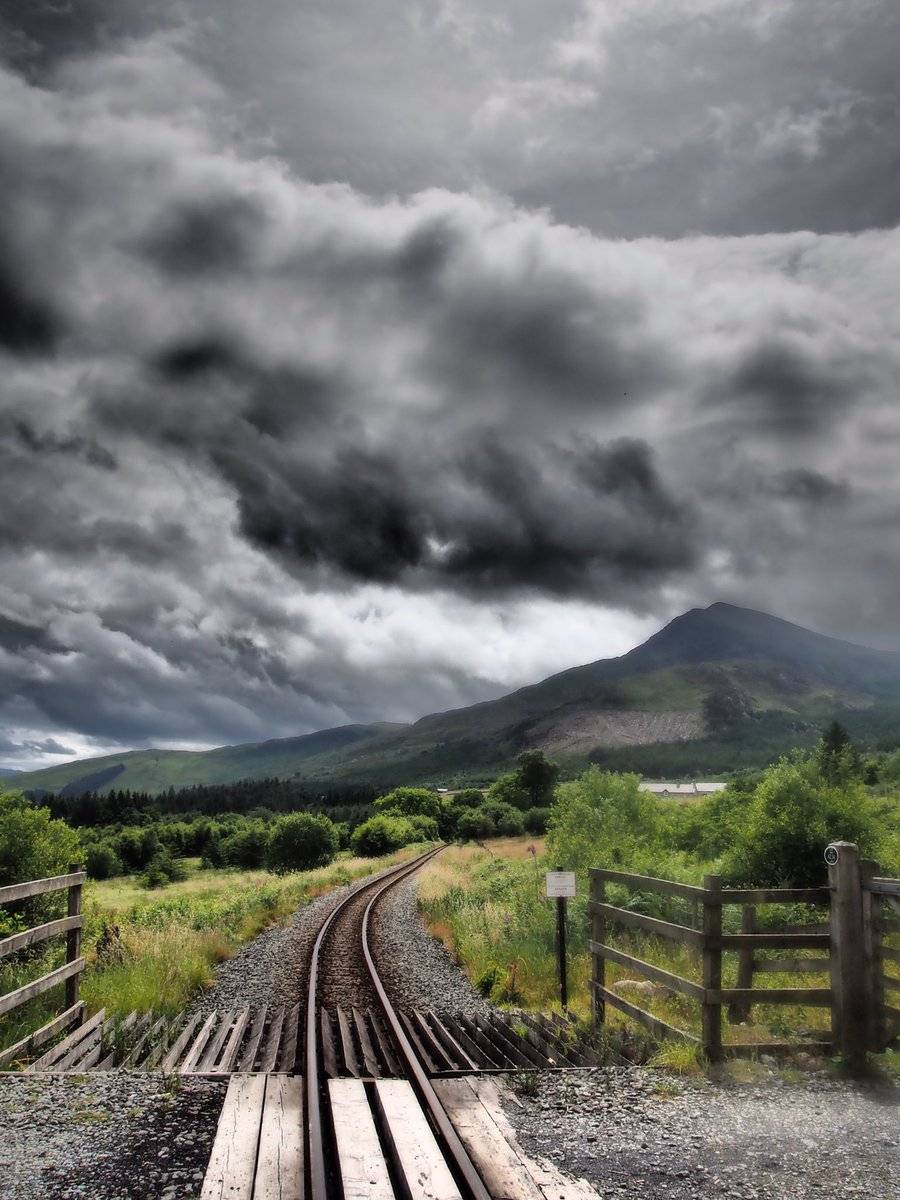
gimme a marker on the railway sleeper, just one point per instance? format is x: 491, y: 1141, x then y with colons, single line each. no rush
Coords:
x: 355, y: 1043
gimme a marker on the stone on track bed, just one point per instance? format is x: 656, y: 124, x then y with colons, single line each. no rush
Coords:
x: 639, y: 1134
x: 105, y: 1136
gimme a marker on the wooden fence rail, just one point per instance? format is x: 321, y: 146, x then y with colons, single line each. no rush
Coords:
x: 863, y: 996
x: 710, y: 942
x: 69, y: 973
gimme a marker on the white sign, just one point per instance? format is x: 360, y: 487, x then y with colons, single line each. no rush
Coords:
x: 560, y: 883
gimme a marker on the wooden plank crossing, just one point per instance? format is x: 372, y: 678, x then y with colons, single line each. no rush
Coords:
x: 258, y: 1149
x: 473, y: 1104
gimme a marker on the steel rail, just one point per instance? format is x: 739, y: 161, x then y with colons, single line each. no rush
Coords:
x: 315, y: 1140
x: 458, y: 1156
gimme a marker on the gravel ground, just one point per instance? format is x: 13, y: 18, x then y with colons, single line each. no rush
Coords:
x: 416, y: 968
x: 639, y: 1134
x: 119, y: 1136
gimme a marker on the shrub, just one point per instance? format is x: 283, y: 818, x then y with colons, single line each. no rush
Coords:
x: 410, y: 802
x: 509, y: 790
x: 425, y: 829
x: 536, y: 820
x: 102, y: 862
x: 247, y: 846
x: 599, y: 819
x: 475, y: 824
x: 32, y: 843
x: 301, y: 841
x: 382, y: 834
x: 469, y: 798
x: 793, y: 815
x: 508, y: 821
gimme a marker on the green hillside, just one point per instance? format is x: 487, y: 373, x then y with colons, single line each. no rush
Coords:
x: 715, y: 689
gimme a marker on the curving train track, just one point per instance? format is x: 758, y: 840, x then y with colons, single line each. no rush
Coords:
x: 353, y: 918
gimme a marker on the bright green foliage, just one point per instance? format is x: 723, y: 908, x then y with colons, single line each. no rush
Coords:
x: 793, y: 815
x: 301, y: 841
x: 381, y: 834
x: 32, y: 843
x: 410, y: 802
x: 425, y: 829
x: 600, y: 819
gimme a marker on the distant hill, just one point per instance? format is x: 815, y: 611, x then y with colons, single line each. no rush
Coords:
x: 8, y: 773
x: 717, y: 688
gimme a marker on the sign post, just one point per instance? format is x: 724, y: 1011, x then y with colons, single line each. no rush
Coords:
x: 560, y: 886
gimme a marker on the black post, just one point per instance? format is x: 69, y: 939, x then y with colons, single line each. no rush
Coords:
x: 561, y: 950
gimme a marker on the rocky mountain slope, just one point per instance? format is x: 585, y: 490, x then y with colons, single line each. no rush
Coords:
x: 715, y: 688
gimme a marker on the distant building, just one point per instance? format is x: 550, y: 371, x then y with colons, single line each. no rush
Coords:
x: 695, y: 788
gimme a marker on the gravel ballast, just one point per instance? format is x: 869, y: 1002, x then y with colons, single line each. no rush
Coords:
x: 638, y: 1134
x: 273, y: 967
x: 416, y: 968
x: 106, y: 1136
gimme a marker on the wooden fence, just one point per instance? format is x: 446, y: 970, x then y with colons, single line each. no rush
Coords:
x: 851, y: 946
x: 70, y: 927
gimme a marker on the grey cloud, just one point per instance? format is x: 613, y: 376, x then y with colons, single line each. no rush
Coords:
x: 358, y: 441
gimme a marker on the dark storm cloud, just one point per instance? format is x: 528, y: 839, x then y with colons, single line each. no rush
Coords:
x: 28, y: 324
x: 16, y: 636
x: 214, y: 235
x: 792, y: 391
x: 291, y: 454
x: 53, y: 443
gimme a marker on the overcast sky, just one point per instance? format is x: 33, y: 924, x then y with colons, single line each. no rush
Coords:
x: 362, y: 358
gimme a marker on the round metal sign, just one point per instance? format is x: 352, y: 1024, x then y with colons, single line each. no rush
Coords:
x: 831, y: 855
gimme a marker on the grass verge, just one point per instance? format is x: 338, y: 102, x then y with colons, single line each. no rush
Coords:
x: 155, y: 949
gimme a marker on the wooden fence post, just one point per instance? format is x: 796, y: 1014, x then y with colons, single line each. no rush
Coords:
x: 711, y: 1014
x: 73, y: 938
x: 598, y: 934
x: 849, y: 993
x: 740, y: 1010
x: 871, y: 909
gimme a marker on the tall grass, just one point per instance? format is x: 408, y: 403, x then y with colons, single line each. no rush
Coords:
x: 162, y: 947
x: 487, y: 905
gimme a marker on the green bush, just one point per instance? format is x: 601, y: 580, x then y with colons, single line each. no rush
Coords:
x: 793, y: 814
x: 247, y: 846
x: 410, y: 802
x: 382, y: 834
x: 102, y: 862
x: 301, y: 841
x: 536, y: 820
x: 468, y: 798
x: 508, y: 821
x: 475, y: 824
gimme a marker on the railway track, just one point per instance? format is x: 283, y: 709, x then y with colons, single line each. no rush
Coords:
x: 345, y: 1095
x: 324, y: 1172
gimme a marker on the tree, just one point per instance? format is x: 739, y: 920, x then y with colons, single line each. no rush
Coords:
x: 475, y: 824
x: 837, y: 757
x: 538, y: 776
x: 102, y: 862
x: 468, y: 798
x: 382, y: 834
x: 33, y: 844
x: 301, y: 841
x: 793, y: 815
x: 410, y: 802
x: 599, y: 819
x: 509, y: 789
